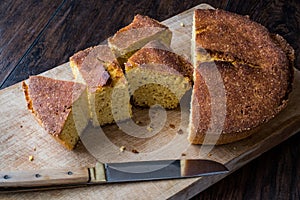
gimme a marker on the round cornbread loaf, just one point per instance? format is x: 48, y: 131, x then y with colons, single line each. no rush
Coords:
x: 255, y: 70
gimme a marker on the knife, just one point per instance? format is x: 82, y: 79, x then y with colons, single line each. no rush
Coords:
x: 101, y: 173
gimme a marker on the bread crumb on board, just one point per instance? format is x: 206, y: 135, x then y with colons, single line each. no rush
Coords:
x: 30, y: 158
x: 172, y: 126
x: 149, y: 128
x: 122, y: 148
x: 182, y: 24
x: 134, y: 151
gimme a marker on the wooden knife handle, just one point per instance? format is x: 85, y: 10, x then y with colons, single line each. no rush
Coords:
x: 41, y: 178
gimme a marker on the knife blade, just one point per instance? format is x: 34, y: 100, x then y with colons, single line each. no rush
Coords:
x: 102, y: 173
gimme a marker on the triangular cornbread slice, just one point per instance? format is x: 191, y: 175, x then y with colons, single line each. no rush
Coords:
x: 139, y: 32
x: 61, y: 107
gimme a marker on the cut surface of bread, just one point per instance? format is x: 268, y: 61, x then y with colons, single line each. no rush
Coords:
x: 156, y: 75
x: 131, y: 38
x: 109, y: 100
x: 255, y: 76
x: 61, y: 107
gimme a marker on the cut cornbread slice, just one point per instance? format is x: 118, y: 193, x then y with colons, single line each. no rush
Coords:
x: 242, y: 77
x: 134, y: 36
x: 156, y: 75
x: 109, y: 100
x: 61, y: 107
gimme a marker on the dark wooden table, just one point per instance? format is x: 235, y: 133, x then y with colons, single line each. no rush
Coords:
x: 39, y: 35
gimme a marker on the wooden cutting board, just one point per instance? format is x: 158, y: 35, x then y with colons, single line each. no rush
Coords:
x: 21, y: 136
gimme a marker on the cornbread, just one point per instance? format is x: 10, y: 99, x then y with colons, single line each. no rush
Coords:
x: 59, y: 106
x: 134, y: 36
x: 255, y: 69
x: 107, y: 88
x: 156, y: 75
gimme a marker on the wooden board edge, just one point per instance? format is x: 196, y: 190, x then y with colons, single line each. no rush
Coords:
x: 197, y: 186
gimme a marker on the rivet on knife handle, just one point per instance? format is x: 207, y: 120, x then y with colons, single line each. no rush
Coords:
x: 40, y: 178
x: 108, y: 173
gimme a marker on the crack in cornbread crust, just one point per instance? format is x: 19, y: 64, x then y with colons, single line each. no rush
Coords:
x: 256, y: 68
x: 103, y: 56
x: 237, y: 35
x: 103, y: 85
x: 91, y: 65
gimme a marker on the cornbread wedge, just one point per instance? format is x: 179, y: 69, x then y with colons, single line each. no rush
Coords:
x: 61, y: 107
x: 107, y: 87
x: 156, y: 75
x: 131, y: 38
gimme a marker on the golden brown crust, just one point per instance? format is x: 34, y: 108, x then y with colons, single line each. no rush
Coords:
x: 156, y: 53
x: 221, y: 139
x: 134, y: 36
x: 51, y: 101
x: 256, y: 74
x: 237, y: 37
x: 140, y: 21
x: 290, y: 54
x: 141, y: 26
x: 77, y: 58
x: 95, y: 65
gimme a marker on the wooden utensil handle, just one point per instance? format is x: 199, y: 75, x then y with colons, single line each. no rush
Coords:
x: 40, y: 178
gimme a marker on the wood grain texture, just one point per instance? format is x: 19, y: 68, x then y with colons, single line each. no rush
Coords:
x: 22, y: 133
x: 81, y: 24
x: 273, y: 176
x: 20, y: 26
x: 47, y: 177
